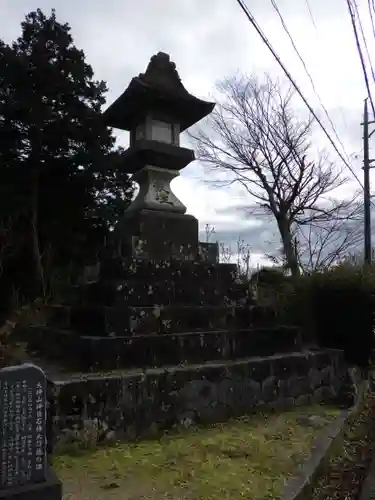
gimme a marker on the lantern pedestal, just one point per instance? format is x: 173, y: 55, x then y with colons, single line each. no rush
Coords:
x: 155, y: 192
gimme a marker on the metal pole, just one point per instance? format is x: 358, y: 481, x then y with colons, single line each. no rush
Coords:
x: 366, y: 186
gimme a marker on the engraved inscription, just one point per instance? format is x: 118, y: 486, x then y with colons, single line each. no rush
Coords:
x: 22, y: 425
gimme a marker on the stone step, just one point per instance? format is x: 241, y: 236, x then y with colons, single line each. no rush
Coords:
x: 174, y: 282
x: 207, y: 292
x: 92, y: 353
x: 134, y: 292
x: 128, y: 321
x: 179, y: 290
x: 170, y: 270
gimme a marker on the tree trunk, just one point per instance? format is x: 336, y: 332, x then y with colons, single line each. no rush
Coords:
x: 288, y: 246
x: 39, y: 272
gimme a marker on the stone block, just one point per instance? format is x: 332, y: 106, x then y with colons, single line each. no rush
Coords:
x: 298, y: 386
x: 134, y: 292
x: 315, y: 378
x: 302, y: 400
x: 260, y: 370
x: 326, y: 375
x: 158, y: 235
x: 283, y: 367
x: 269, y: 391
x: 322, y: 359
x: 208, y: 252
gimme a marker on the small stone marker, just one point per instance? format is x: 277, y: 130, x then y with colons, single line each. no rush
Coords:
x: 24, y: 472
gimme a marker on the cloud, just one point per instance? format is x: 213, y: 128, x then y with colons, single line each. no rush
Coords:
x: 210, y: 40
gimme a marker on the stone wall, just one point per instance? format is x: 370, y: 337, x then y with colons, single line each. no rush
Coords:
x: 141, y: 404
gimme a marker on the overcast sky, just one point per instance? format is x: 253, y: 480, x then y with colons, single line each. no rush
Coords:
x: 209, y: 40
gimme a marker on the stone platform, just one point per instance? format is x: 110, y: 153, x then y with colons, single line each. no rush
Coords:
x: 161, y: 296
x: 114, y: 326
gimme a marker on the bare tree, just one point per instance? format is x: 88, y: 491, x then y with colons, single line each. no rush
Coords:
x: 255, y: 137
x: 321, y: 244
x: 209, y: 231
x: 241, y: 255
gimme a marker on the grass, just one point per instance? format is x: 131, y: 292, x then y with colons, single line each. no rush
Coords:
x: 244, y: 458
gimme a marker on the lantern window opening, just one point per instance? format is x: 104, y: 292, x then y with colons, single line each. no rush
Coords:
x: 162, y: 131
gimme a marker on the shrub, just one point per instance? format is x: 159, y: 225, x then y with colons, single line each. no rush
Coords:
x: 269, y: 285
x: 334, y: 308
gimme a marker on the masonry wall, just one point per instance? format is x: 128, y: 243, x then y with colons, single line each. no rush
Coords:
x: 144, y: 404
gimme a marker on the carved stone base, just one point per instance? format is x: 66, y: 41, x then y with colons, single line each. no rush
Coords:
x: 157, y: 235
x: 155, y: 192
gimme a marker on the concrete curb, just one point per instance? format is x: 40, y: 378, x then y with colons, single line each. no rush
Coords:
x: 301, y: 486
x: 368, y: 486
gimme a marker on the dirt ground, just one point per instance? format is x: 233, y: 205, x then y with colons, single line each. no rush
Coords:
x: 244, y: 458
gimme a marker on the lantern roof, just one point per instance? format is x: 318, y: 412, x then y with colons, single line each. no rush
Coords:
x: 158, y: 91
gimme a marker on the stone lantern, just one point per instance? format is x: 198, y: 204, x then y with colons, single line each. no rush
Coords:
x: 155, y: 109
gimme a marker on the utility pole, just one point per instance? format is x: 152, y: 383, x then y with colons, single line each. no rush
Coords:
x: 366, y: 185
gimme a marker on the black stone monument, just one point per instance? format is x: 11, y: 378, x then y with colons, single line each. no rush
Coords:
x: 24, y: 472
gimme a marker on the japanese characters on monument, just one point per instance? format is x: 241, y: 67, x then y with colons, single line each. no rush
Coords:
x: 22, y: 426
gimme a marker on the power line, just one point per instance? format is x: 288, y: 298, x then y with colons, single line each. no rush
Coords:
x: 359, y: 50
x: 371, y: 8
x: 311, y: 14
x: 364, y: 38
x: 366, y: 162
x: 265, y: 40
x: 274, y: 4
